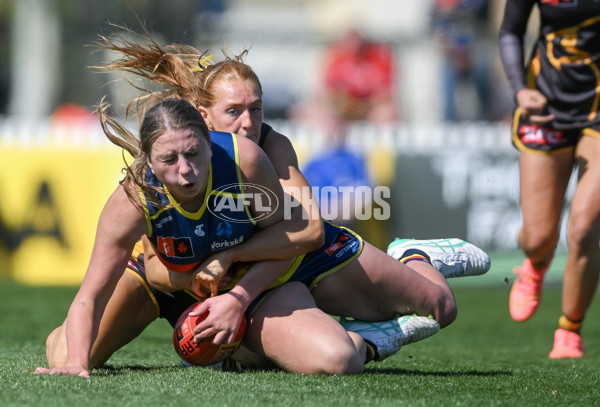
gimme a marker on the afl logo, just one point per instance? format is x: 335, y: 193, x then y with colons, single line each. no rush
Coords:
x: 231, y: 204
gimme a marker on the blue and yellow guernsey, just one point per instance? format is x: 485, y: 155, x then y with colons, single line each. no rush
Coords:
x: 181, y: 239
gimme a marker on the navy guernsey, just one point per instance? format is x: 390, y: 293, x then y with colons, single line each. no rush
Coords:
x: 181, y: 239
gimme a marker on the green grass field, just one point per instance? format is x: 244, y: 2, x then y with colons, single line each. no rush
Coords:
x: 483, y: 359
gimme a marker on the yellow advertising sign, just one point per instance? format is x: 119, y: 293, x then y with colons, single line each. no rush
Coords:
x: 51, y: 202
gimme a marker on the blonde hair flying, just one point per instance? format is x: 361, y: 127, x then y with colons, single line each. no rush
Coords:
x: 183, y: 71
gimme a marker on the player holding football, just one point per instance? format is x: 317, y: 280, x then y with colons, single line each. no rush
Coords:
x: 231, y: 100
x: 178, y: 177
x: 378, y: 287
x: 556, y: 129
x: 166, y: 190
x: 229, y: 96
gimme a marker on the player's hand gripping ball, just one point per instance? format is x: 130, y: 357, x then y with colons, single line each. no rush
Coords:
x: 204, y: 353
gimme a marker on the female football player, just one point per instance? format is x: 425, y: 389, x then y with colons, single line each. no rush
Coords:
x: 177, y: 167
x: 556, y: 129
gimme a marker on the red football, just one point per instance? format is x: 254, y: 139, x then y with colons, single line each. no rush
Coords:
x: 204, y: 353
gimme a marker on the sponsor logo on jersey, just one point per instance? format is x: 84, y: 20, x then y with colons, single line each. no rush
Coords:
x: 198, y: 231
x: 215, y: 246
x: 224, y: 229
x: 533, y: 134
x: 179, y: 247
x: 340, y: 242
x: 162, y: 222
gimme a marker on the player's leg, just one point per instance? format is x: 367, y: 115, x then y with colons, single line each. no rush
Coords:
x: 289, y: 329
x: 128, y: 312
x: 583, y: 259
x: 543, y: 183
x: 377, y: 287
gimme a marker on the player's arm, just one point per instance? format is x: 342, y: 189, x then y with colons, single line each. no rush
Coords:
x: 301, y: 229
x: 226, y: 310
x: 511, y: 37
x: 119, y: 227
x: 255, y: 168
x: 159, y: 276
x: 531, y: 102
x: 305, y: 225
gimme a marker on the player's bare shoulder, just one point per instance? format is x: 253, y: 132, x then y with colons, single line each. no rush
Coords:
x: 280, y: 150
x: 252, y: 159
x: 248, y: 151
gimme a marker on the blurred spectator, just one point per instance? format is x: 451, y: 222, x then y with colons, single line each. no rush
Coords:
x: 461, y: 27
x: 340, y: 168
x: 343, y: 181
x: 360, y: 79
x: 358, y: 84
x: 207, y: 21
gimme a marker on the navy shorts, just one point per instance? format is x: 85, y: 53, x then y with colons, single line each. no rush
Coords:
x: 341, y: 247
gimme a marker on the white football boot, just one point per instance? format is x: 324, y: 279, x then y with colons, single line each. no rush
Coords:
x: 451, y: 257
x: 389, y: 336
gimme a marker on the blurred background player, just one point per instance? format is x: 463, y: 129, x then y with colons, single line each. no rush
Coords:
x: 556, y: 129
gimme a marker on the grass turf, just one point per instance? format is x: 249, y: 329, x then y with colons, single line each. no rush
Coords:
x: 483, y: 359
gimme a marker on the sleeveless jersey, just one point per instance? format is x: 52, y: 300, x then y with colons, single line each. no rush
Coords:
x: 264, y: 132
x: 341, y: 246
x: 181, y: 239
